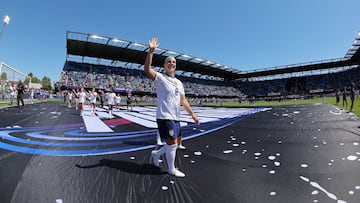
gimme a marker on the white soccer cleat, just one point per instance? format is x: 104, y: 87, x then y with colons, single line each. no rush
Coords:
x: 180, y: 146
x: 177, y: 173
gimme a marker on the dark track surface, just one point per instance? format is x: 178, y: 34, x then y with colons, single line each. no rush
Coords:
x: 305, y: 153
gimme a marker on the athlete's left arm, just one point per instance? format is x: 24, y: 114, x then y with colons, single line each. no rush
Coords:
x: 186, y: 105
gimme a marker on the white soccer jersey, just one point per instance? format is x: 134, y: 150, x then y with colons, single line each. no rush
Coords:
x: 82, y: 96
x: 93, y: 97
x: 169, y: 91
x: 111, y: 98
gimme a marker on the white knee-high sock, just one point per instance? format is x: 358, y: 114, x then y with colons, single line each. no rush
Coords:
x: 170, y: 156
x: 162, y: 150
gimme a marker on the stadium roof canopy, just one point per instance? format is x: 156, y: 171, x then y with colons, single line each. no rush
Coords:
x: 112, y: 51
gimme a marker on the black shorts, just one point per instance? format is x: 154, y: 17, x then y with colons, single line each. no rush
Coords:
x: 169, y: 129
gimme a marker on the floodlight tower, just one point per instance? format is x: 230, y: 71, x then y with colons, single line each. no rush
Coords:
x: 6, y: 21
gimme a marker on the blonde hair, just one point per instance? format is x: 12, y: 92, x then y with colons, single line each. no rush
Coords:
x: 168, y: 58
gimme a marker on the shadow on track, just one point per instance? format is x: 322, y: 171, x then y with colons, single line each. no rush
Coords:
x: 126, y: 166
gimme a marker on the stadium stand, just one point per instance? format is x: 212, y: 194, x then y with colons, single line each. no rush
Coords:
x: 98, y: 61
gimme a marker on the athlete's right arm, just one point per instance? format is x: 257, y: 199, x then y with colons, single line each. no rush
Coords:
x: 153, y: 43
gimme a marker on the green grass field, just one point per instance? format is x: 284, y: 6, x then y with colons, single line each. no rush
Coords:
x: 329, y: 100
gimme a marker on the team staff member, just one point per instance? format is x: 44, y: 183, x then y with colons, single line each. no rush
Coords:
x: 170, y: 94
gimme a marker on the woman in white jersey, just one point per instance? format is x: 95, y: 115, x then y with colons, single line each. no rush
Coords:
x: 93, y: 96
x: 171, y: 95
x: 111, y: 101
x: 82, y: 98
x: 70, y: 96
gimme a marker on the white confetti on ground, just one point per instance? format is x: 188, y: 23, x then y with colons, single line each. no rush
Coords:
x: 317, y: 186
x: 227, y: 151
x: 235, y: 145
x: 186, y: 155
x: 132, y: 158
x: 257, y: 154
x: 164, y: 188
x: 172, y: 182
x: 192, y: 161
x: 304, y: 165
x: 243, y: 143
x: 351, y: 158
x: 198, y: 153
x: 272, y: 172
x: 272, y: 193
x: 315, y: 192
x: 357, y: 187
x: 276, y: 163
x: 271, y: 158
x: 58, y: 201
x: 355, y: 143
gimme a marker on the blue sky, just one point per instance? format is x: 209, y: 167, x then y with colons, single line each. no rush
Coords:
x: 242, y: 34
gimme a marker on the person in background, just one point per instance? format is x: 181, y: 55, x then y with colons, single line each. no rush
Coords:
x: 171, y: 95
x: 102, y: 98
x: 20, y: 93
x: 344, y: 104
x: 82, y: 99
x: 129, y: 100
x: 12, y: 90
x: 69, y: 96
x: 31, y: 95
x: 111, y: 101
x: 352, y: 96
x: 117, y: 101
x: 92, y: 98
x: 337, y: 96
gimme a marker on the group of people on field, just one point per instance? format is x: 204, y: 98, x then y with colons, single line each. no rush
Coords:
x: 12, y: 91
x: 95, y: 97
x: 343, y: 93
